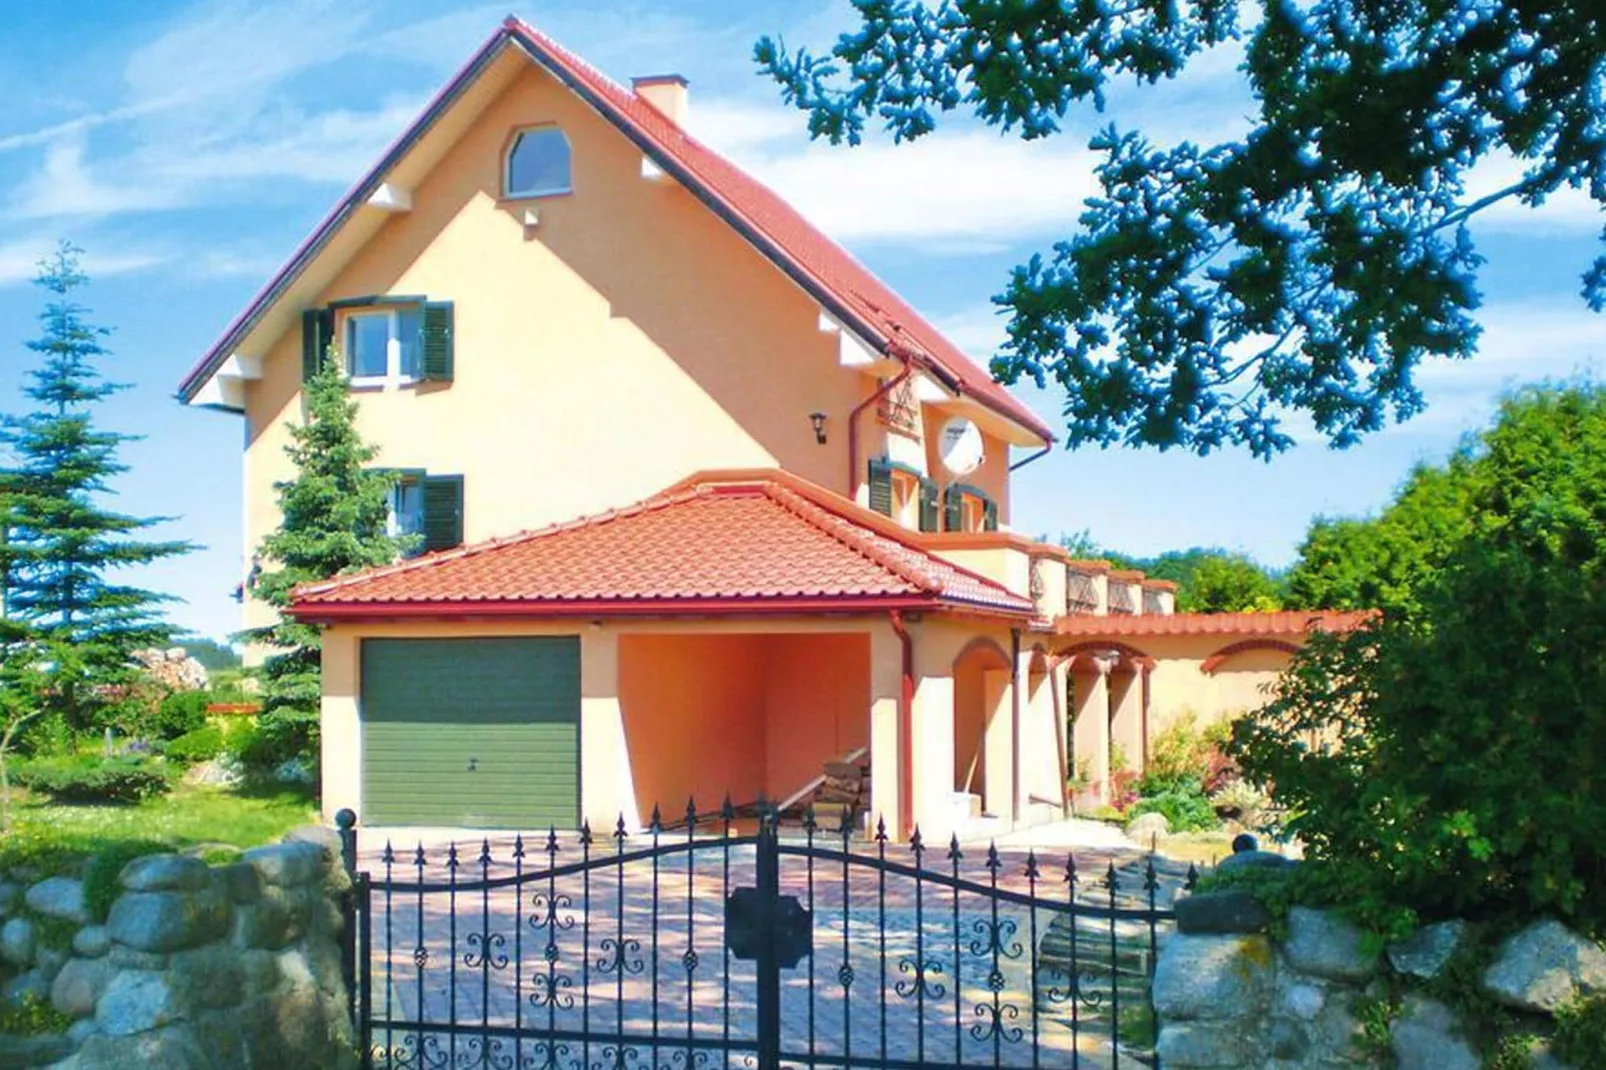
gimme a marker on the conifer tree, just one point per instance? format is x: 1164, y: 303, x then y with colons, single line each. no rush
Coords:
x: 63, y: 543
x: 334, y: 519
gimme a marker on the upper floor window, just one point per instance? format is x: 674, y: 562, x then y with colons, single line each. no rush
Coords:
x: 381, y: 339
x: 383, y: 344
x: 537, y: 164
x: 428, y: 507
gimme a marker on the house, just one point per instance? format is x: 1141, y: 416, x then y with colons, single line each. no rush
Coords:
x: 706, y: 507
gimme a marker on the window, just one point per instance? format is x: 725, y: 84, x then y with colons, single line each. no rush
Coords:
x: 429, y: 507
x: 382, y: 339
x: 407, y: 506
x: 537, y: 164
x: 382, y: 344
x: 967, y: 508
x: 906, y: 499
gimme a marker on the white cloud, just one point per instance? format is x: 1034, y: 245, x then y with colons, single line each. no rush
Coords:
x: 20, y: 259
x: 1567, y: 211
x: 959, y: 190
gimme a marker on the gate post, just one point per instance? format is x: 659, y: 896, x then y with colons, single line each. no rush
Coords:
x: 346, y: 824
x: 767, y: 965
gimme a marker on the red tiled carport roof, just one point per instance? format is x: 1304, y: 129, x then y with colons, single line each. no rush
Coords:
x: 821, y: 266
x: 712, y: 548
x: 1281, y: 622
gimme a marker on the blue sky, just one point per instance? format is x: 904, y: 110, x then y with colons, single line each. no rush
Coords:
x: 188, y: 147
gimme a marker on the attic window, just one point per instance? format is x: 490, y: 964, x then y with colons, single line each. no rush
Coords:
x: 537, y: 164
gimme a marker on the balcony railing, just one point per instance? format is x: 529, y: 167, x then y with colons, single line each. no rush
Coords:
x: 1081, y: 594
x: 1121, y: 599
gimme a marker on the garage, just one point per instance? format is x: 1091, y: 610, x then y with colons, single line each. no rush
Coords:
x: 475, y: 732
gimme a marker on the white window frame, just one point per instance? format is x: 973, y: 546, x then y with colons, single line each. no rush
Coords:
x: 508, y: 192
x: 393, y: 345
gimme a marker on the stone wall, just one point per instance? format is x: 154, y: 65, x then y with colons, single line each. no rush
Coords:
x: 1229, y: 994
x: 196, y: 967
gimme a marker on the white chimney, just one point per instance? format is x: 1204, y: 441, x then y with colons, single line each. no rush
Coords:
x: 666, y: 92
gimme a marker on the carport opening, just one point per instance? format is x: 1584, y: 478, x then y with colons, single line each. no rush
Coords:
x: 754, y: 716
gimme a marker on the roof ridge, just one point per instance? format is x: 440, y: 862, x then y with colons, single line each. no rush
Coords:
x: 853, y: 536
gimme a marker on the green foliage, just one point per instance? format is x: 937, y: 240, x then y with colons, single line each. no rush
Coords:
x: 1580, y: 1038
x: 50, y: 931
x: 1208, y: 580
x: 180, y: 713
x: 212, y: 655
x: 1308, y: 266
x: 32, y: 1016
x: 334, y: 514
x: 1457, y: 773
x: 201, y: 745
x: 1383, y: 562
x: 105, y: 866
x: 1376, y: 1015
x: 1184, y: 805
x: 268, y: 744
x: 63, y: 546
x: 1279, y: 889
x: 92, y: 779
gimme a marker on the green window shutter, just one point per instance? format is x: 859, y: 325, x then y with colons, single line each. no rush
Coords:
x: 437, y: 347
x: 317, y: 331
x: 443, y: 512
x: 930, y: 519
x: 881, y: 487
x: 953, y: 509
x: 989, y: 515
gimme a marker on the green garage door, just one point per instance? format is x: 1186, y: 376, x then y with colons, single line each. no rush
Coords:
x: 483, y: 733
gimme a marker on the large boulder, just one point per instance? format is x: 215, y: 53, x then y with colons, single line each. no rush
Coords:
x: 59, y: 897
x: 1324, y: 945
x: 1221, y: 912
x: 136, y: 1002
x: 1544, y: 967
x: 1426, y: 952
x: 1204, y: 1045
x: 17, y: 941
x: 167, y: 921
x: 79, y: 986
x: 172, y: 1048
x: 1145, y: 828
x: 288, y: 865
x: 165, y: 873
x: 1425, y: 1036
x: 1213, y: 976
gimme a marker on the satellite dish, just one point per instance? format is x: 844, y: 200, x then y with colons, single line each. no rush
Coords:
x: 959, y: 446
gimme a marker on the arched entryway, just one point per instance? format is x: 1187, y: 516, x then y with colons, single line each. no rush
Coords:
x: 983, y: 736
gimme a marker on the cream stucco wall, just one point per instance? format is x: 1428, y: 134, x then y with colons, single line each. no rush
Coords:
x: 626, y: 341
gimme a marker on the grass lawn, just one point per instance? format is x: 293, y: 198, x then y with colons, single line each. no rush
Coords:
x: 54, y: 837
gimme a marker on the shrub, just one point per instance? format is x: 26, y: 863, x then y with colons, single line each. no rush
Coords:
x: 180, y: 713
x: 201, y: 745
x: 96, y: 780
x: 1184, y: 806
x: 1242, y: 802
x: 265, y: 746
x: 32, y: 1016
x: 104, y: 867
x: 1445, y: 761
x: 1185, y: 751
x: 1581, y: 1032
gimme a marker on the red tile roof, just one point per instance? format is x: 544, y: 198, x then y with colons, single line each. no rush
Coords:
x: 707, y: 548
x: 1283, y: 622
x: 775, y: 227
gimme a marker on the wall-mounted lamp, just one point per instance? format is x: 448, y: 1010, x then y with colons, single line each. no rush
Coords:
x: 817, y: 420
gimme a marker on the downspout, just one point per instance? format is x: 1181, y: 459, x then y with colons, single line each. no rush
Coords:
x: 906, y: 703
x: 853, y: 424
x: 1015, y: 727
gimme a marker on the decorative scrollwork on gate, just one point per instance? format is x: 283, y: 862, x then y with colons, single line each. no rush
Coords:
x: 616, y: 956
x: 486, y: 950
x: 996, y: 937
x: 921, y: 984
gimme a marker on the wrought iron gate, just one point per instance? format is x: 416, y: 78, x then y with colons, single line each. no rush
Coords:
x: 716, y: 942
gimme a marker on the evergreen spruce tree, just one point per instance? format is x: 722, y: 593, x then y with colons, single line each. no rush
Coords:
x: 63, y: 543
x: 334, y: 519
